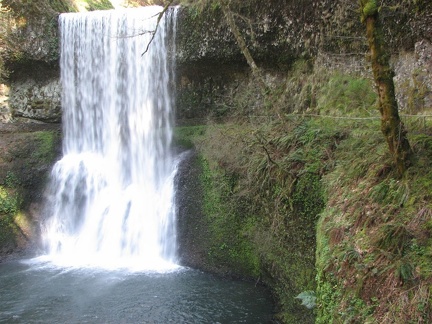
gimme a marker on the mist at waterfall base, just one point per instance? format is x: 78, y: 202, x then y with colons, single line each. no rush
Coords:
x: 110, y: 239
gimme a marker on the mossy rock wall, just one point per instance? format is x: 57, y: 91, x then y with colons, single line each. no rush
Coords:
x: 28, y: 152
x: 285, y: 30
x: 210, y: 64
x: 211, y: 68
x: 29, y: 57
x: 35, y: 93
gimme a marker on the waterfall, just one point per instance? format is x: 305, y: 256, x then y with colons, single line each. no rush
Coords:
x: 111, y: 201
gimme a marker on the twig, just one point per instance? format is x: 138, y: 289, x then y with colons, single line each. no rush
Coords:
x: 268, y: 155
x: 157, y: 25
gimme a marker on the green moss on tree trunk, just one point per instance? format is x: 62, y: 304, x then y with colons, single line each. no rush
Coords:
x: 392, y: 127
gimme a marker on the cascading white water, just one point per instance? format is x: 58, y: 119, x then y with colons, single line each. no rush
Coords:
x: 112, y: 193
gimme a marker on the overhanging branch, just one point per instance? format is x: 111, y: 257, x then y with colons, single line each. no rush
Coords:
x: 161, y: 14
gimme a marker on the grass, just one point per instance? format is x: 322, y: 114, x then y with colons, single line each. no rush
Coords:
x: 346, y: 95
x: 263, y: 196
x: 317, y: 200
x: 45, y: 146
x: 384, y: 244
x: 185, y: 136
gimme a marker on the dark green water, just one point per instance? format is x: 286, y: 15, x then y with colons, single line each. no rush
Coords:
x: 38, y: 293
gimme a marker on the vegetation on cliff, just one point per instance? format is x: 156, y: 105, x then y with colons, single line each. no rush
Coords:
x: 373, y: 258
x: 26, y: 157
x: 275, y: 182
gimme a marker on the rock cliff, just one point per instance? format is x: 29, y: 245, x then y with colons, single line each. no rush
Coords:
x: 210, y: 65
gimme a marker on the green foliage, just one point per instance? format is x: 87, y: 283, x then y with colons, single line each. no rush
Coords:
x: 405, y: 272
x: 29, y: 156
x: 41, y: 8
x: 347, y: 95
x: 98, y: 5
x: 185, y: 136
x: 368, y: 8
x: 328, y: 299
x: 45, y: 144
x: 280, y: 188
x: 266, y: 182
x: 6, y: 230
x: 393, y: 238
x: 307, y: 196
x: 272, y: 176
x: 199, y: 5
x: 12, y: 222
x: 10, y: 201
x: 11, y: 180
x: 10, y: 197
x: 383, y: 237
x: 230, y: 246
x: 391, y: 192
x: 63, y: 5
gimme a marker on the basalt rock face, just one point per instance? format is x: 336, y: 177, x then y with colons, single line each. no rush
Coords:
x: 273, y: 36
x: 284, y: 30
x: 30, y: 57
x: 211, y: 67
x: 35, y: 93
x: 413, y: 79
x: 35, y: 40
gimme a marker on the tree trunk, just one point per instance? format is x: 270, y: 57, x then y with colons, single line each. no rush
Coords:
x: 391, y: 125
x: 241, y: 42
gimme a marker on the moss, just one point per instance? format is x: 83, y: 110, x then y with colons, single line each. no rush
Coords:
x: 63, y: 5
x: 43, y: 8
x: 26, y: 161
x: 99, y: 5
x: 45, y: 143
x: 346, y: 95
x: 10, y: 201
x: 307, y: 197
x: 266, y: 193
x: 184, y: 136
x: 10, y: 204
x: 369, y: 8
x: 285, y: 183
x: 230, y: 246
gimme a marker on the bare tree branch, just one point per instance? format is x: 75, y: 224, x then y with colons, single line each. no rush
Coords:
x: 256, y: 72
x: 161, y: 14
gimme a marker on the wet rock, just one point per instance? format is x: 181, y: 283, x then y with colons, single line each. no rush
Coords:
x: 413, y: 78
x: 36, y: 100
x: 5, y: 112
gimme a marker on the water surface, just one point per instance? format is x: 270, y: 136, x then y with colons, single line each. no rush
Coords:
x: 41, y: 293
